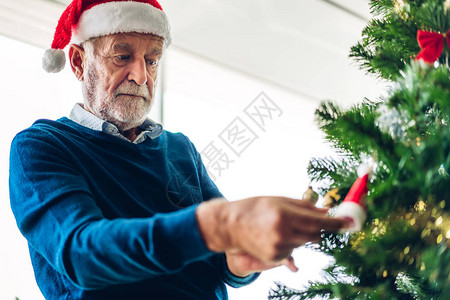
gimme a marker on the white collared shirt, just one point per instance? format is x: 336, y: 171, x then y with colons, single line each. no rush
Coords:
x: 150, y: 129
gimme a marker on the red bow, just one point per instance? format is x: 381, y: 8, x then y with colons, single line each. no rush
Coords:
x: 432, y: 44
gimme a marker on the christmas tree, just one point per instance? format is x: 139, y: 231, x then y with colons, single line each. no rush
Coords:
x: 402, y: 249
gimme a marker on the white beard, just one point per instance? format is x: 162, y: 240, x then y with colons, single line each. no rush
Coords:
x: 124, y: 111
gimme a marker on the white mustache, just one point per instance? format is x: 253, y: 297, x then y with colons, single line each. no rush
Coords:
x: 130, y: 88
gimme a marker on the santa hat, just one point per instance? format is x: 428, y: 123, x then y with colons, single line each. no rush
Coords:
x: 85, y: 19
x: 353, y: 207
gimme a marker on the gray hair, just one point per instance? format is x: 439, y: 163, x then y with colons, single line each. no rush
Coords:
x: 90, y: 46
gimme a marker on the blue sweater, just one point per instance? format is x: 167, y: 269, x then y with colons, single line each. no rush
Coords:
x: 109, y: 219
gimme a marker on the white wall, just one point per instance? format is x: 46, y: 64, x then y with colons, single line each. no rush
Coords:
x: 202, y: 101
x: 27, y: 93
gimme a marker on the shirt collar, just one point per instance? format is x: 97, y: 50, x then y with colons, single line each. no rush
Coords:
x: 150, y: 129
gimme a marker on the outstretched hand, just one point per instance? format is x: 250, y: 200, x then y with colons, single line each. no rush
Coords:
x: 267, y: 229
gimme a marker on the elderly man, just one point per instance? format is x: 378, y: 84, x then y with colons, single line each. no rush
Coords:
x: 98, y: 195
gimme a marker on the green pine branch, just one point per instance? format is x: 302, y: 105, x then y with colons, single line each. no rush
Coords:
x: 402, y: 250
x: 389, y: 41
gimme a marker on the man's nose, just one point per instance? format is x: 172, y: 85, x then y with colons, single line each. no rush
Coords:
x: 138, y: 72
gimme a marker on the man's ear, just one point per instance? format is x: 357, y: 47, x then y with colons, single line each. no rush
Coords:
x: 77, y: 57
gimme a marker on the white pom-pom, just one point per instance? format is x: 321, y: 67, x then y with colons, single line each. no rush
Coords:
x: 53, y: 60
x: 365, y: 168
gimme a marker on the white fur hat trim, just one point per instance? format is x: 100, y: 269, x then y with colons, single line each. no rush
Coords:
x: 353, y: 212
x: 116, y: 17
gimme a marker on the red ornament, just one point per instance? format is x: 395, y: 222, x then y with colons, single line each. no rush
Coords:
x: 358, y: 190
x: 353, y: 207
x: 432, y: 44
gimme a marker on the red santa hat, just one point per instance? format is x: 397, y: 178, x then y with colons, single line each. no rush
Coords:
x: 85, y: 19
x: 353, y: 207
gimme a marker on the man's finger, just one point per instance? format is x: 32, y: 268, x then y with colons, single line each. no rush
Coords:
x: 306, y: 204
x: 335, y: 224
x: 291, y: 264
x: 312, y: 222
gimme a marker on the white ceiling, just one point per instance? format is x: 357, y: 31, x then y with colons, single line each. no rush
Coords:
x: 300, y: 45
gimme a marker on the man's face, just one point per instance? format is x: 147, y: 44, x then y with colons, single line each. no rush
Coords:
x: 120, y: 77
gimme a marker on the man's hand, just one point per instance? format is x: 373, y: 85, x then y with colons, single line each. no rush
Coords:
x: 242, y: 264
x: 265, y: 228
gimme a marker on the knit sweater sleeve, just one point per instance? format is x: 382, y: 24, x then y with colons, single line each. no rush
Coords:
x: 58, y: 215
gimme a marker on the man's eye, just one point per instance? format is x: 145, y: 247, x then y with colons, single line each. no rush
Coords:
x: 152, y: 62
x: 121, y: 59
